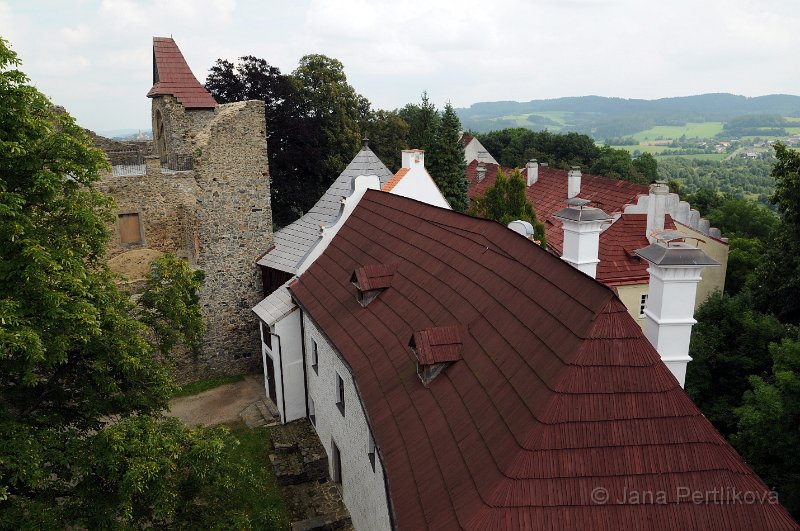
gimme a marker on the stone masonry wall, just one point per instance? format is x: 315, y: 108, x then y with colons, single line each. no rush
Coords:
x: 235, y: 226
x: 181, y: 125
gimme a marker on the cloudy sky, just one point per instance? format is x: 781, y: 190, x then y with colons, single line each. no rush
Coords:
x: 94, y: 56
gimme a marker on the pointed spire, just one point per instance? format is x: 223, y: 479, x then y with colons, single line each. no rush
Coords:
x: 365, y: 143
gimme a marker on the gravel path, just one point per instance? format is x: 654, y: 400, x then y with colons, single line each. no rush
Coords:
x: 220, y: 405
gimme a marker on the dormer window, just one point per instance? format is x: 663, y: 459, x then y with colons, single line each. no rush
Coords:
x: 435, y: 349
x: 371, y: 280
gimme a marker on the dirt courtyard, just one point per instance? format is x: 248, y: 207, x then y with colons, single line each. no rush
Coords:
x: 220, y: 405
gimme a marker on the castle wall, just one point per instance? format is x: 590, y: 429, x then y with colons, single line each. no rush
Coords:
x: 180, y: 126
x: 217, y: 216
x: 235, y: 225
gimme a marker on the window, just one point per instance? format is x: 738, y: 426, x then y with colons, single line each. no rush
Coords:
x: 312, y: 411
x: 130, y: 230
x: 336, y: 457
x: 371, y: 450
x: 340, y: 393
x: 314, y: 357
x: 642, y: 305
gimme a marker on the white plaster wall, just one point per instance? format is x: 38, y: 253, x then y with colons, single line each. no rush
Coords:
x: 631, y: 297
x: 291, y: 355
x: 418, y: 184
x: 363, y: 489
x: 474, y: 148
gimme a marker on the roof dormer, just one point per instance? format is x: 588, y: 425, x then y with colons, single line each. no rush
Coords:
x: 371, y: 280
x: 435, y: 349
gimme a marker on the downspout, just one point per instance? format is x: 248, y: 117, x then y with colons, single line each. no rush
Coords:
x: 303, y: 349
x: 283, y: 387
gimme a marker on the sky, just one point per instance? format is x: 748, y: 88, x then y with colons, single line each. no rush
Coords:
x: 94, y: 57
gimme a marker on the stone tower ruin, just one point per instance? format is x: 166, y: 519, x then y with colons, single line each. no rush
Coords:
x: 204, y: 195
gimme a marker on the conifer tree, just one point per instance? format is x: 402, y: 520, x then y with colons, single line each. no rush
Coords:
x: 445, y: 160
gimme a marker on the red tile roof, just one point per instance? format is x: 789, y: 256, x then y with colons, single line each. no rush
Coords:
x: 550, y: 191
x: 172, y: 76
x: 618, y: 262
x: 557, y: 392
x: 396, y: 179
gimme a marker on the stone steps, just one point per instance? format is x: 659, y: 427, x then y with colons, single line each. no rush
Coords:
x: 260, y: 413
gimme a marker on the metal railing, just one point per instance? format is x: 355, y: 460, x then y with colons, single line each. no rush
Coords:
x: 126, y: 163
x: 176, y: 162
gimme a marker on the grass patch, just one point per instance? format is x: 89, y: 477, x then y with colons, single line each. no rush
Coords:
x: 653, y: 150
x: 204, y: 385
x: 691, y: 130
x: 264, y: 493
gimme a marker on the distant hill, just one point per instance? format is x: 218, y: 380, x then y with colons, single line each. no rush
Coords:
x: 604, y: 117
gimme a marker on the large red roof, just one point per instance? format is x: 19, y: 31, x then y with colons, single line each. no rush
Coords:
x: 172, y: 76
x: 557, y: 392
x: 549, y: 193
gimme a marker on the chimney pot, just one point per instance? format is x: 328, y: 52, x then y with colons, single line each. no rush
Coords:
x: 533, y: 172
x: 480, y: 172
x: 574, y: 182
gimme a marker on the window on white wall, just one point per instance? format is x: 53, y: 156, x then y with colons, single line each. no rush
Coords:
x: 340, y: 393
x: 314, y: 357
x: 336, y: 457
x: 312, y: 411
x: 371, y: 450
x: 642, y: 305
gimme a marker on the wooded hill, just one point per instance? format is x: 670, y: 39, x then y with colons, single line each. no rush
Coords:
x: 604, y: 117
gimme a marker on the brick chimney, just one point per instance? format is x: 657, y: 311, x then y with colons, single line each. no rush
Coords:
x: 533, y: 172
x: 656, y: 208
x: 582, y: 228
x: 574, y: 182
x: 674, y: 270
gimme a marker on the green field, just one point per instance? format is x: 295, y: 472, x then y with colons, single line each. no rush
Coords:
x: 792, y: 118
x: 521, y: 120
x: 701, y: 156
x: 793, y: 130
x: 647, y: 149
x: 690, y: 130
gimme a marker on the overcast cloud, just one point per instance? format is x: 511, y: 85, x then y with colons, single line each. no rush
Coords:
x: 94, y: 57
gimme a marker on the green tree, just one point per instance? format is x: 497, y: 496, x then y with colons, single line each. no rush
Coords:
x: 729, y: 343
x: 505, y: 201
x: 777, y: 284
x: 769, y: 424
x: 332, y: 109
x: 424, y: 122
x: 81, y: 389
x: 388, y: 136
x: 445, y: 160
x: 169, y: 304
x: 616, y: 164
x: 646, y: 166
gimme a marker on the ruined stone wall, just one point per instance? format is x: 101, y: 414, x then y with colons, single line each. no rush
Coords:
x: 181, y: 125
x: 235, y: 226
x: 161, y: 200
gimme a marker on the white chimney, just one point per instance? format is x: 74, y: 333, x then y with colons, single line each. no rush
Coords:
x: 574, y: 182
x: 533, y: 172
x: 656, y: 208
x: 413, y: 156
x: 480, y: 172
x: 582, y: 228
x: 669, y: 316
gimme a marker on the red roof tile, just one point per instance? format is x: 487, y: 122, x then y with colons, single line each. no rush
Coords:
x: 618, y: 262
x: 550, y: 191
x: 396, y: 179
x: 557, y: 392
x: 172, y: 76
